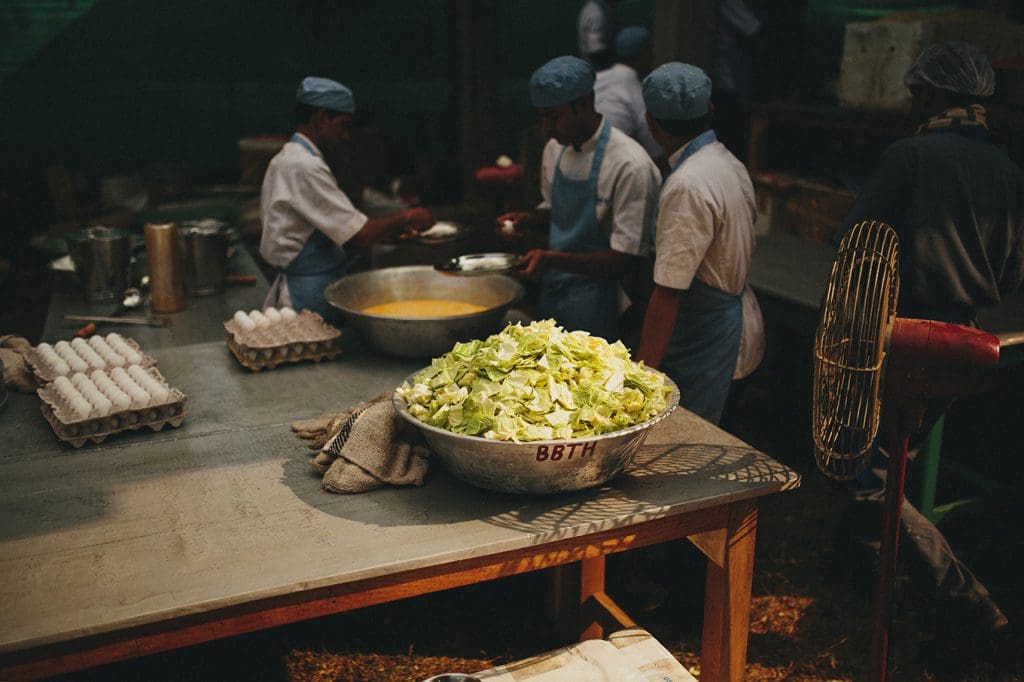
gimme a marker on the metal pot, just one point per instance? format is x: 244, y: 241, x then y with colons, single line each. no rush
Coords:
x: 102, y: 258
x: 425, y: 336
x: 536, y: 467
x: 204, y: 245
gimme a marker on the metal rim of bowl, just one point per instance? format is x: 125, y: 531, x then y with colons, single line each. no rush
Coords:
x: 671, y: 404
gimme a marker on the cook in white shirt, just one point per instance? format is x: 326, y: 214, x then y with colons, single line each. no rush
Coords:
x: 599, y: 191
x: 703, y: 326
x: 307, y: 220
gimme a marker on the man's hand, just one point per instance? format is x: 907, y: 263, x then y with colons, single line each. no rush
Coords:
x: 411, y: 222
x: 418, y: 218
x: 533, y: 264
x: 392, y: 227
x: 511, y: 225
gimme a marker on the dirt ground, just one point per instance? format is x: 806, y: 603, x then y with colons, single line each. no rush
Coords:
x: 811, y: 608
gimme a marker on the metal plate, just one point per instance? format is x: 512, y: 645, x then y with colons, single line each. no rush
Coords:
x: 477, y: 264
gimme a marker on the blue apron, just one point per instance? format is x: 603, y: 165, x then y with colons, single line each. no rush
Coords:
x: 319, y: 263
x: 579, y: 301
x: 701, y: 356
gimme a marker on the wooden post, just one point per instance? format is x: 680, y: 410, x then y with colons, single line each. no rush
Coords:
x: 727, y: 598
x: 477, y: 25
x: 683, y: 31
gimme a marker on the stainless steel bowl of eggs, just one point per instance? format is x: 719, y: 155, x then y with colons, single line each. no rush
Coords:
x: 416, y: 312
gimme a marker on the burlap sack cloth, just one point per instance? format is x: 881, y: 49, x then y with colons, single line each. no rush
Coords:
x: 365, y: 447
x: 17, y: 375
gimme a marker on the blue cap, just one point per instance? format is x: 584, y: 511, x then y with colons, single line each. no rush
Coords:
x: 560, y: 81
x: 323, y: 92
x: 631, y: 41
x: 677, y: 92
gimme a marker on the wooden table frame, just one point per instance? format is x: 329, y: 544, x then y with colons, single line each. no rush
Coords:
x: 725, y: 534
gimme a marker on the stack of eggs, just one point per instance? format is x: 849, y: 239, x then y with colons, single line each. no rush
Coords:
x: 80, y: 356
x: 262, y: 319
x: 101, y: 376
x: 266, y: 338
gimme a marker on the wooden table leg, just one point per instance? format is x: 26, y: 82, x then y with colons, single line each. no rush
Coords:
x: 598, y: 611
x: 730, y: 554
x: 591, y: 584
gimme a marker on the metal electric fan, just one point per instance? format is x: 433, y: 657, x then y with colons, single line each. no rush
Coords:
x: 872, y: 368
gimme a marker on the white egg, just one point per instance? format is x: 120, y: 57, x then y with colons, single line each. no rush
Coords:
x: 139, y: 398
x: 81, y: 407
x: 120, y: 377
x: 109, y: 355
x: 272, y: 314
x: 288, y: 314
x: 58, y: 366
x: 157, y: 391
x: 259, y: 318
x: 118, y: 398
x: 78, y: 379
x: 118, y: 344
x: 86, y: 352
x: 68, y: 354
x: 244, y: 322
x: 113, y: 359
x: 101, y: 403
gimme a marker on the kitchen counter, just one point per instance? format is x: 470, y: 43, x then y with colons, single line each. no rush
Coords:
x: 156, y: 540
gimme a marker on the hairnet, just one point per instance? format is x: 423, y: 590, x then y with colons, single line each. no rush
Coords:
x: 560, y: 81
x: 677, y: 92
x: 323, y: 92
x: 955, y: 66
x: 631, y: 41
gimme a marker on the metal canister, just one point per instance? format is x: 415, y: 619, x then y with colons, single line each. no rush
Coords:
x: 204, y: 253
x: 163, y: 253
x: 102, y: 258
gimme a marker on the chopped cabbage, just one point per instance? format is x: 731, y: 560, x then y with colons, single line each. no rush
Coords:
x: 537, y: 382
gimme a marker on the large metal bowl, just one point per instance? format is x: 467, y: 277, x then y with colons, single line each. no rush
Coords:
x: 536, y: 467
x: 422, y: 336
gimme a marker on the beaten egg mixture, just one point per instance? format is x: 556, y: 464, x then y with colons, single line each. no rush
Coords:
x: 422, y: 307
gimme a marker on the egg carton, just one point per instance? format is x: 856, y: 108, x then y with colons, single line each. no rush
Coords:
x: 46, y: 372
x: 70, y: 428
x: 307, y: 337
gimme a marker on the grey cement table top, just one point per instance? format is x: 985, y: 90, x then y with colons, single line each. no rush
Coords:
x: 225, y: 510
x: 95, y: 540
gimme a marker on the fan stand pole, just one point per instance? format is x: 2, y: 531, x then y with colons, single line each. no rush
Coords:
x: 897, y: 470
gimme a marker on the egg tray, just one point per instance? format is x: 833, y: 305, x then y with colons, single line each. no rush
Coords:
x: 45, y: 373
x: 78, y: 432
x: 307, y: 337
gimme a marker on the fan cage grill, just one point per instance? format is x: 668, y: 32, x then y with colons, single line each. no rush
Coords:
x: 850, y: 347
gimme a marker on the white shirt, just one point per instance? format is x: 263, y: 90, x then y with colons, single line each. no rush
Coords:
x: 619, y: 95
x: 627, y: 187
x: 300, y: 194
x: 705, y: 229
x: 594, y: 27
